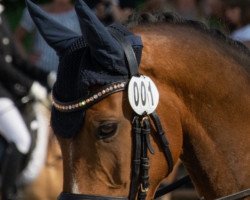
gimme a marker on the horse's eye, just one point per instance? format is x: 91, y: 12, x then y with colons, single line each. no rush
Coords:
x: 107, y: 130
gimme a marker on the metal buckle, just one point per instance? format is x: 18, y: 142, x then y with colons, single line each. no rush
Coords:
x: 144, y: 119
x: 144, y: 189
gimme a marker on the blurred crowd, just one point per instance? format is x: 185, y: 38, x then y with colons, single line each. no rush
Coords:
x: 227, y: 15
x: 230, y: 16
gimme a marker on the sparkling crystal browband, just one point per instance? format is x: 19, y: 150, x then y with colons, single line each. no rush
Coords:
x: 92, y: 99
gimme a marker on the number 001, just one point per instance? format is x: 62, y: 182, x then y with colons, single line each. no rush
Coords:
x: 143, y: 97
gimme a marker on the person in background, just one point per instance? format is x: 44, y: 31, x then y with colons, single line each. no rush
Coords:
x: 18, y: 80
x: 124, y: 9
x: 157, y: 5
x: 214, y: 12
x: 189, y: 9
x: 109, y: 11
x: 237, y: 13
x: 42, y: 55
x: 92, y: 3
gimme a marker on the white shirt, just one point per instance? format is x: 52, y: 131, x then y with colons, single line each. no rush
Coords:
x: 242, y: 34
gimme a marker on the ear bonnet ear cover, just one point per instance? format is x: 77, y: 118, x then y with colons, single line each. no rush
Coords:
x: 94, y: 59
x: 67, y: 125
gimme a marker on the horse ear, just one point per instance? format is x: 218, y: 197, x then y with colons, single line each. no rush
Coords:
x: 102, y: 45
x: 56, y: 35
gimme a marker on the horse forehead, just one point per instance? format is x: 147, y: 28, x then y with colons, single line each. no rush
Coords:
x: 112, y: 104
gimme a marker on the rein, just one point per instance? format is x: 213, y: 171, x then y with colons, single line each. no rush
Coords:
x: 238, y: 195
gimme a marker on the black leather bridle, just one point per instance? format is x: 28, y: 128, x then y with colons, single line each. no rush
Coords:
x: 140, y: 162
x: 141, y: 128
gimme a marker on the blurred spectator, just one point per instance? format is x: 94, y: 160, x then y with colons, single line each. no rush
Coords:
x: 109, y: 11
x: 213, y: 8
x: 42, y: 55
x: 214, y: 11
x: 17, y: 83
x: 189, y: 9
x: 157, y: 5
x: 238, y: 15
x: 92, y: 3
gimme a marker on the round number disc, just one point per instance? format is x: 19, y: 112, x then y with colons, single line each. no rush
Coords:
x: 143, y: 95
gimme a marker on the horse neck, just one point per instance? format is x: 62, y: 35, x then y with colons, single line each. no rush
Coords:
x: 214, y: 91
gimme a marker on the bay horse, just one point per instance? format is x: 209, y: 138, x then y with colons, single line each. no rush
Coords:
x: 203, y: 79
x: 48, y: 183
x: 45, y: 182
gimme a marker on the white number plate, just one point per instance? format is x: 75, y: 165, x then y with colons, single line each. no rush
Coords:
x: 143, y: 95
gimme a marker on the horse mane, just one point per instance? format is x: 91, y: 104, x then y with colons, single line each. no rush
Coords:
x: 166, y: 17
x: 173, y: 18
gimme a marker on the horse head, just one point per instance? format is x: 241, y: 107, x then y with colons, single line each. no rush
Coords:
x: 95, y: 133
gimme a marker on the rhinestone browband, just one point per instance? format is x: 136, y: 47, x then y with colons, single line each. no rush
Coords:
x: 92, y: 99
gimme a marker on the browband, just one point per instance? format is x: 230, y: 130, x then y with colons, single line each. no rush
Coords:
x: 89, y: 101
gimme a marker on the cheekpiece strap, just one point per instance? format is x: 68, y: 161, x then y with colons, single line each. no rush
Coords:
x: 95, y: 97
x: 141, y: 127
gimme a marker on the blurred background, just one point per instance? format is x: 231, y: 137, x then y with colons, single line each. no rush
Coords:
x: 226, y: 15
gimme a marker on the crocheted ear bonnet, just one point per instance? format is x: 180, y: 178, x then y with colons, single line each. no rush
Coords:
x: 94, y: 58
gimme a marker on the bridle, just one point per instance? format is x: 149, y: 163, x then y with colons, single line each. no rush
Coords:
x: 141, y: 128
x: 140, y: 163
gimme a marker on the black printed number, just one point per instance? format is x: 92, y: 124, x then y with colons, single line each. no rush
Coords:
x: 140, y: 94
x: 136, y: 94
x: 143, y: 94
x: 151, y: 93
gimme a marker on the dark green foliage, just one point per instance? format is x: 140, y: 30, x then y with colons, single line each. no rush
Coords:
x: 13, y: 10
